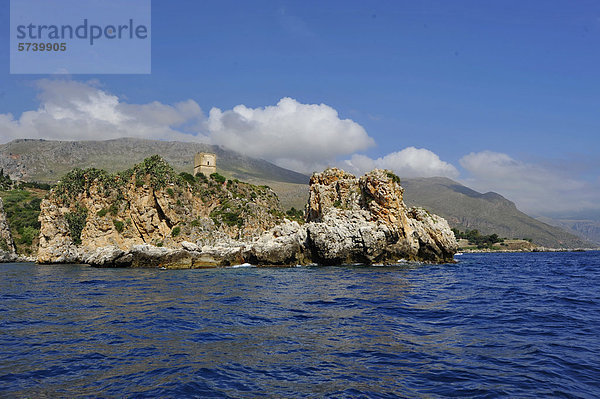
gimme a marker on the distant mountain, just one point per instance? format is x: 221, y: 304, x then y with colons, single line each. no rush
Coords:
x: 586, y: 228
x: 47, y: 161
x: 489, y: 213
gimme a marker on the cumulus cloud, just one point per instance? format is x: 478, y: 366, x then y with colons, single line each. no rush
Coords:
x: 410, y: 162
x: 534, y: 187
x: 301, y: 136
x: 71, y: 110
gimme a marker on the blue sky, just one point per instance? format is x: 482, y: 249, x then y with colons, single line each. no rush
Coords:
x: 520, y: 80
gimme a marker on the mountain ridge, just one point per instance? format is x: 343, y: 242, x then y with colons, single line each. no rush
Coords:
x: 490, y: 212
x: 47, y: 160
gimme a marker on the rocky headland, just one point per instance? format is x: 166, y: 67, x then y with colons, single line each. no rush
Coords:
x: 149, y: 216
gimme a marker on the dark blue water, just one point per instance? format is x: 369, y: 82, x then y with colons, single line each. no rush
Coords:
x: 493, y: 325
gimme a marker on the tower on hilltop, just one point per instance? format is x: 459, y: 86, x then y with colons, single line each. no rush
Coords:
x: 206, y: 163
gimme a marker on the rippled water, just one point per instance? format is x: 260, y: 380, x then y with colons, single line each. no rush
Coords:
x: 510, y: 325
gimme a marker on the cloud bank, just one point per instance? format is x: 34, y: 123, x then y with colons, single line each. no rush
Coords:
x: 299, y: 136
x: 71, y: 110
x: 303, y: 137
x: 410, y: 162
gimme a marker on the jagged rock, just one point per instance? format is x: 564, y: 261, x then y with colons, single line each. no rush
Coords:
x: 56, y: 245
x: 104, y: 256
x: 190, y: 246
x: 436, y: 239
x: 352, y: 220
x: 348, y: 220
x: 344, y: 237
x: 285, y: 244
x: 7, y: 246
x: 365, y: 220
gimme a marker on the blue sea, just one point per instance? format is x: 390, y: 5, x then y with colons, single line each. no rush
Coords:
x: 492, y: 325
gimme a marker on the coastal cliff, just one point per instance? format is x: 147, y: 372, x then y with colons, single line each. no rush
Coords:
x: 7, y: 246
x: 149, y: 216
x: 149, y: 205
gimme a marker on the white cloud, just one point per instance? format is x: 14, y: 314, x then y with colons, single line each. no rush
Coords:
x: 305, y: 136
x: 535, y: 188
x: 410, y: 162
x: 71, y: 110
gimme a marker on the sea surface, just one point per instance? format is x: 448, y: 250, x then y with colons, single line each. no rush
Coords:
x: 492, y: 325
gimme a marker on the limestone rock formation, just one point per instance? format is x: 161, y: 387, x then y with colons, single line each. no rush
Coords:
x: 352, y: 220
x: 150, y: 219
x: 148, y: 205
x: 7, y: 246
x: 365, y: 220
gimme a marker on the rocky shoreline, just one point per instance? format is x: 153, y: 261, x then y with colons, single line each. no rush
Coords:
x: 536, y: 249
x: 151, y: 217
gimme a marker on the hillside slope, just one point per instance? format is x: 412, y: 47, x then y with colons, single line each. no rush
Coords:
x: 489, y: 213
x: 589, y: 229
x: 47, y: 161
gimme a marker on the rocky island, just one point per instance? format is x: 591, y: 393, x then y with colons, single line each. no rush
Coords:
x: 150, y: 216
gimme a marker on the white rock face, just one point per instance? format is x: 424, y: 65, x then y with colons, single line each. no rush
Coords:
x: 365, y: 220
x: 284, y: 244
x: 104, y: 256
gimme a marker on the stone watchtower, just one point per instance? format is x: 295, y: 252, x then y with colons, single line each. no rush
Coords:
x: 206, y: 163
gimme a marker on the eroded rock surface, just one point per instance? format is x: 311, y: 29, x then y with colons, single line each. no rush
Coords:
x: 7, y: 246
x: 136, y: 223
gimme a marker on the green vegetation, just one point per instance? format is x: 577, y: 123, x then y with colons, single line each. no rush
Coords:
x: 188, y: 178
x: 176, y: 231
x: 229, y: 218
x: 160, y: 173
x: 295, y: 214
x: 5, y: 181
x: 113, y: 209
x: 170, y: 192
x: 4, y: 245
x: 7, y: 184
x: 218, y: 178
x: 34, y: 184
x: 227, y: 213
x: 28, y: 234
x: 475, y: 238
x: 392, y: 176
x: 201, y: 177
x: 119, y: 225
x: 102, y: 212
x: 22, y: 209
x: 153, y: 171
x: 76, y: 221
x: 78, y: 181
